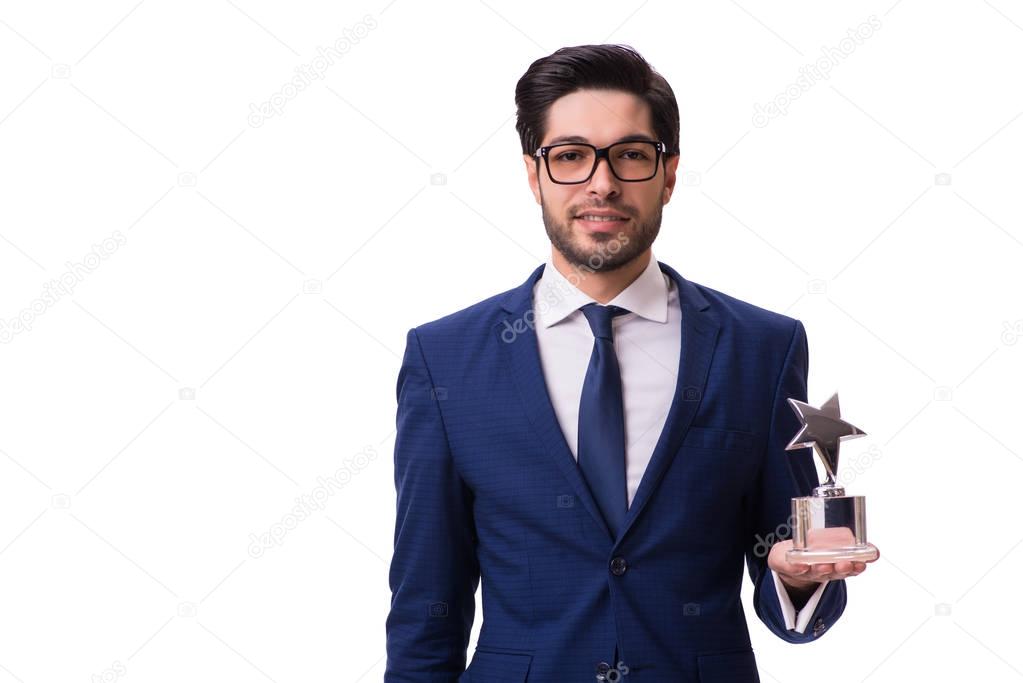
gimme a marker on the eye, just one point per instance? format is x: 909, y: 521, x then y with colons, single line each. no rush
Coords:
x: 638, y: 155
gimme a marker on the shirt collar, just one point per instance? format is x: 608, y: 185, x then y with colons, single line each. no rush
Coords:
x: 557, y: 297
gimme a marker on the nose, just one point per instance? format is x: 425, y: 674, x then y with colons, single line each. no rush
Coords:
x: 603, y: 183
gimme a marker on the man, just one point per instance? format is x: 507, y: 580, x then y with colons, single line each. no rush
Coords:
x: 605, y: 443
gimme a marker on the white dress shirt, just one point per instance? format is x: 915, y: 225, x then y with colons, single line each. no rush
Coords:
x: 646, y: 341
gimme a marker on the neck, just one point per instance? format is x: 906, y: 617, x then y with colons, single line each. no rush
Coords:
x: 601, y: 286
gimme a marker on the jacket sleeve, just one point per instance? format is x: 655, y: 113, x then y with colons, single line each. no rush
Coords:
x: 434, y: 570
x: 786, y: 475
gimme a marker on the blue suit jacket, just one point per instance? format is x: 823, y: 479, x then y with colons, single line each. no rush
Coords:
x: 486, y: 485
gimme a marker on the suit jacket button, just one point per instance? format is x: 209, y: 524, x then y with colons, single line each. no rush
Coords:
x: 603, y: 668
x: 618, y: 566
x: 818, y: 627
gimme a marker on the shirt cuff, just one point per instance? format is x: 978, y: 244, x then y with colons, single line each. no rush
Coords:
x: 792, y: 621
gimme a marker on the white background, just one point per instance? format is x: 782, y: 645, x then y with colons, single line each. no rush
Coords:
x: 240, y: 337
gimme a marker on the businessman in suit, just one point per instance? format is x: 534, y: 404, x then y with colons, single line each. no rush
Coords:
x: 604, y: 444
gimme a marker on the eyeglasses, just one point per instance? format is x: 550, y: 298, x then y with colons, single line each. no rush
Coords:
x: 570, y: 163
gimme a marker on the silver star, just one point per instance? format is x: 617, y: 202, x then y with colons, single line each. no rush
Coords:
x: 823, y: 429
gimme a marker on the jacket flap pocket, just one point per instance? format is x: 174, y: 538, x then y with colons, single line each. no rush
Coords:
x: 492, y: 666
x: 728, y: 667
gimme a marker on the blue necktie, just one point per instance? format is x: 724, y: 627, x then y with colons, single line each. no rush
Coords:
x: 601, y: 450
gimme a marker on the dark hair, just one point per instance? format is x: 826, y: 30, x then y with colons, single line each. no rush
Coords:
x: 617, y: 67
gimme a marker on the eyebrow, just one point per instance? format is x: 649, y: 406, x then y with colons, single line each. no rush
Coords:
x: 579, y: 138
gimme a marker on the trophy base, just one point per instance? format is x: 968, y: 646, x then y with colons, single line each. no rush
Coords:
x: 865, y: 553
x: 828, y: 529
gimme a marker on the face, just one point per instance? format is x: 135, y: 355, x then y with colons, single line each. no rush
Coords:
x: 601, y: 117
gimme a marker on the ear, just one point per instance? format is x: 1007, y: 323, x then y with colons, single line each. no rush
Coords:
x: 531, y: 176
x: 670, y: 175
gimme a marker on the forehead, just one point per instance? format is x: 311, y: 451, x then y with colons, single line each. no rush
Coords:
x: 599, y: 117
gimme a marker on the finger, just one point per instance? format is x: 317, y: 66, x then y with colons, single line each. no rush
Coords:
x: 799, y: 569
x: 786, y: 567
x: 854, y: 569
x: 843, y: 567
x: 820, y: 571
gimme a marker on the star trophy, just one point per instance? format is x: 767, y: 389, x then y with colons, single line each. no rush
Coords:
x: 829, y: 526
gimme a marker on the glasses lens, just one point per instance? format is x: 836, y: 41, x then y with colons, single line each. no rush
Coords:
x: 634, y: 160
x: 630, y: 160
x: 570, y: 163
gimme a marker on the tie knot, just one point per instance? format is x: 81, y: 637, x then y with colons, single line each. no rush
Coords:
x: 599, y: 318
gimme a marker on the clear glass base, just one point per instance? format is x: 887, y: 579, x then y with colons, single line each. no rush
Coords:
x: 864, y: 553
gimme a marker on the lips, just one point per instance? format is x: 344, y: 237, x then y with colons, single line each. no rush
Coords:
x: 602, y: 215
x: 602, y: 226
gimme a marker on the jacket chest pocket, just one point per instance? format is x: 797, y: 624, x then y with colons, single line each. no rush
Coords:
x: 717, y: 466
x: 713, y: 438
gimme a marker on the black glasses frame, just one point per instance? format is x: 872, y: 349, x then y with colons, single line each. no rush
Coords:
x: 598, y: 154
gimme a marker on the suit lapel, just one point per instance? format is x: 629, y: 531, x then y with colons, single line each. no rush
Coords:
x: 517, y: 339
x: 700, y: 328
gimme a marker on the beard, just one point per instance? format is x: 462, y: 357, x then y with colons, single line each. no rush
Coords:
x: 606, y: 252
